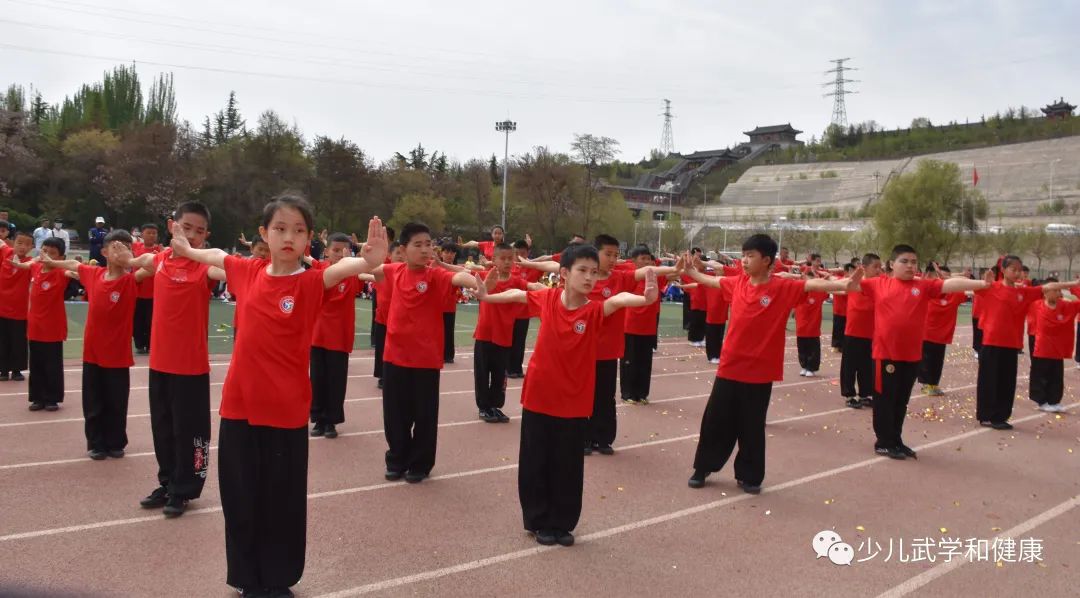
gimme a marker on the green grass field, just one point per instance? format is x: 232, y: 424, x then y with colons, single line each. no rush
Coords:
x: 221, y: 317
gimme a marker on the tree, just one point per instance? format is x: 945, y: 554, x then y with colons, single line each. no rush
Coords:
x: 142, y: 177
x: 1070, y: 248
x: 341, y: 183
x: 476, y: 186
x: 161, y: 105
x: 1009, y: 241
x: 420, y: 207
x: 493, y: 170
x: 1041, y: 246
x: 592, y: 152
x: 831, y: 243
x: 919, y: 208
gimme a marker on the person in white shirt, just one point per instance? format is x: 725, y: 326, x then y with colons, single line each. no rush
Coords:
x: 59, y: 232
x: 41, y: 233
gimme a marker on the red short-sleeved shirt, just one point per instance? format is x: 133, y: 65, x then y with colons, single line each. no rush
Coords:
x: 612, y: 335
x: 900, y: 314
x: 808, y: 315
x: 1003, y: 311
x: 495, y: 323
x: 716, y: 308
x: 384, y: 293
x: 1055, y: 329
x: 976, y: 307
x: 47, y: 318
x: 642, y: 321
x: 14, y: 286
x: 941, y: 318
x: 562, y: 371
x: 335, y: 329
x: 754, y: 347
x: 146, y: 287
x: 414, y: 324
x: 109, y: 318
x: 487, y: 248
x: 181, y: 316
x: 783, y: 265
x: 268, y: 383
x: 839, y: 305
x: 860, y: 315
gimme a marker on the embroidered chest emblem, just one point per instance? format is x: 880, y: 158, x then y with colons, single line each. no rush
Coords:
x: 421, y: 286
x: 916, y: 292
x: 579, y: 327
x: 46, y: 285
x: 606, y: 292
x: 114, y: 296
x: 765, y: 300
x: 341, y: 288
x: 286, y: 304
x: 812, y: 301
x: 944, y: 302
x: 1019, y: 297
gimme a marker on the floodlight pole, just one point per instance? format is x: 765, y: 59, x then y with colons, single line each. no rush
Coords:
x: 506, y: 126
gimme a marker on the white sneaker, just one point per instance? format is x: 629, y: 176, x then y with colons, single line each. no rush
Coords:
x: 802, y: 372
x: 715, y: 361
x: 1047, y: 407
x: 1078, y: 365
x: 976, y: 355
x: 1059, y: 408
x: 810, y: 374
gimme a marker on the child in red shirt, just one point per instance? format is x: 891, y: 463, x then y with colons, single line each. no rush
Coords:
x: 752, y: 360
x: 144, y: 301
x: 938, y: 333
x: 839, y: 315
x: 494, y: 336
x: 1055, y: 329
x: 413, y: 359
x: 332, y: 343
x: 381, y: 299
x: 1004, y: 305
x: 521, y: 323
x: 266, y: 400
x: 14, y: 293
x: 635, y: 366
x: 716, y: 313
x: 808, y: 332
x: 47, y: 328
x: 558, y: 397
x: 857, y: 361
x: 448, y: 255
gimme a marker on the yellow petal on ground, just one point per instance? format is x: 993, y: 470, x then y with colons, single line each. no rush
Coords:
x: 860, y: 528
x: 943, y: 529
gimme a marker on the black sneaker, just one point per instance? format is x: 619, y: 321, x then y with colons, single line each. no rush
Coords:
x: 698, y: 479
x: 330, y: 431
x: 252, y: 592
x: 854, y: 403
x: 448, y: 361
x: 546, y: 537
x: 986, y: 424
x: 503, y: 418
x: 37, y: 406
x: 604, y: 449
x: 895, y: 453
x: 643, y: 401
x: 142, y: 351
x: 380, y: 382
x: 96, y: 454
x: 317, y: 430
x: 174, y: 507
x: 748, y: 488
x: 1001, y: 426
x: 52, y: 407
x: 116, y: 453
x: 156, y: 499
x: 4, y: 377
x: 867, y: 401
x: 564, y: 538
x: 393, y: 476
x: 277, y: 593
x: 880, y: 450
x: 908, y: 451
x: 588, y: 448
x: 18, y: 377
x: 489, y: 416
x: 415, y: 477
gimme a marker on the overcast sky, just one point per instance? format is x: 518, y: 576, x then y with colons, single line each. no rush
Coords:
x: 390, y: 74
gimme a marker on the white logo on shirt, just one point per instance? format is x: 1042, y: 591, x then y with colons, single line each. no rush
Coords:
x: 579, y: 327
x: 1019, y: 297
x: 915, y: 292
x: 944, y: 301
x: 765, y: 300
x: 811, y: 300
x: 341, y: 288
x: 114, y: 296
x: 421, y: 286
x: 606, y: 292
x: 1060, y: 317
x: 286, y: 304
x: 46, y: 285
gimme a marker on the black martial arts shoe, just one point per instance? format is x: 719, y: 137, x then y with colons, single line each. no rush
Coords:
x: 588, y: 448
x: 515, y: 375
x: 393, y: 476
x: 415, y: 477
x: 546, y: 537
x: 277, y: 593
x: 1001, y: 426
x: 380, y: 382
x: 489, y: 416
x: 4, y: 377
x: 503, y: 418
x: 96, y: 454
x: 986, y: 424
x: 18, y: 377
x: 156, y: 499
x: 252, y: 592
x: 854, y: 403
x: 908, y: 451
x: 867, y: 401
x: 896, y: 453
x: 604, y: 449
x: 116, y: 453
x: 880, y: 450
x: 330, y: 431
x: 698, y: 479
x: 174, y: 507
x: 748, y: 488
x: 52, y: 407
x: 317, y: 430
x: 37, y: 406
x: 564, y: 538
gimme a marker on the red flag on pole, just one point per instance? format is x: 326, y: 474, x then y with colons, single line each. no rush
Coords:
x: 974, y: 176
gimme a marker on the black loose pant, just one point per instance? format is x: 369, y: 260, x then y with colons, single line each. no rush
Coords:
x: 105, y: 405
x: 996, y: 384
x: 551, y: 471
x: 1047, y: 382
x: 933, y: 362
x: 262, y: 472
x: 686, y: 310
x: 144, y: 313
x: 1031, y: 344
x: 410, y: 417
x: 976, y: 334
x: 838, y: 324
x: 329, y: 379
x: 735, y: 413
x: 602, y: 424
x: 517, y: 351
x: 489, y: 374
x: 448, y: 319
x: 714, y: 340
x: 890, y: 408
x: 635, y: 368
x: 696, y: 332
x: 857, y: 366
x: 13, y: 348
x: 180, y: 423
x: 378, y: 337
x: 46, y: 372
x: 374, y: 306
x: 809, y: 352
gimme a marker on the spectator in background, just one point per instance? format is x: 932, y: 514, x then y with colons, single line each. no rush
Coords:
x: 8, y: 224
x: 60, y: 233
x: 41, y: 233
x: 97, y: 240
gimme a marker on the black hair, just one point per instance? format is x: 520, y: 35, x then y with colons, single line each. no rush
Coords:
x: 22, y: 233
x: 412, y: 229
x: 1050, y: 279
x: 449, y: 246
x: 578, y: 236
x: 640, y: 250
x: 1008, y: 261
x: 150, y: 226
x: 390, y: 233
x: 503, y: 247
x: 1025, y: 269
x: 289, y: 200
x: 763, y: 244
x: 581, y: 251
x: 255, y: 240
x: 56, y: 244
x: 394, y: 245
x: 192, y: 207
x: 521, y: 244
x: 119, y: 234
x: 901, y: 249
x: 339, y: 238
x: 944, y: 268
x: 848, y: 267
x: 498, y: 226
x: 602, y: 240
x: 869, y: 258
x: 694, y: 250
x: 814, y: 256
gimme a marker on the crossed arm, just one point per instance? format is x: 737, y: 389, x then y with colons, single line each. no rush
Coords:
x: 615, y: 303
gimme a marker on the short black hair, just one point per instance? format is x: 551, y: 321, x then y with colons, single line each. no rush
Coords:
x: 944, y: 268
x: 901, y: 249
x: 119, y: 234
x: 603, y: 240
x: 640, y: 250
x: 503, y: 247
x: 22, y: 233
x: 578, y: 236
x: 581, y: 251
x: 498, y: 226
x: 192, y: 207
x: 1025, y: 269
x: 449, y: 246
x: 339, y: 238
x: 694, y: 250
x: 412, y: 229
x: 1050, y: 279
x: 763, y: 244
x: 1008, y: 261
x: 394, y: 245
x: 521, y: 244
x: 390, y: 233
x: 848, y: 267
x: 815, y: 256
x: 290, y: 200
x: 255, y: 240
x: 56, y: 244
x: 150, y: 226
x: 869, y: 258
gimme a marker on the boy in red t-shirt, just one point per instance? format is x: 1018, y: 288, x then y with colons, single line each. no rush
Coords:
x: 635, y: 367
x: 716, y: 312
x: 413, y: 360
x: 557, y: 396
x: 938, y: 333
x: 839, y: 315
x: 144, y: 301
x: 266, y: 400
x: 900, y: 307
x: 106, y: 379
x: 521, y: 323
x: 752, y: 360
x: 46, y: 327
x: 1055, y: 329
x: 381, y: 299
x: 494, y: 336
x: 332, y: 343
x: 448, y: 255
x: 808, y: 332
x: 14, y: 293
x: 857, y: 361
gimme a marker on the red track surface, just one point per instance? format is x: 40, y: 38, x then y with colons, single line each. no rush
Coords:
x: 70, y: 525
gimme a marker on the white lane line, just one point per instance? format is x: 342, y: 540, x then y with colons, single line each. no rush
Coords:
x: 636, y: 525
x: 920, y: 580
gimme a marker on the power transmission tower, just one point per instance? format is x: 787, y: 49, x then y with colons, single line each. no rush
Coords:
x: 839, y: 111
x: 667, y: 139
